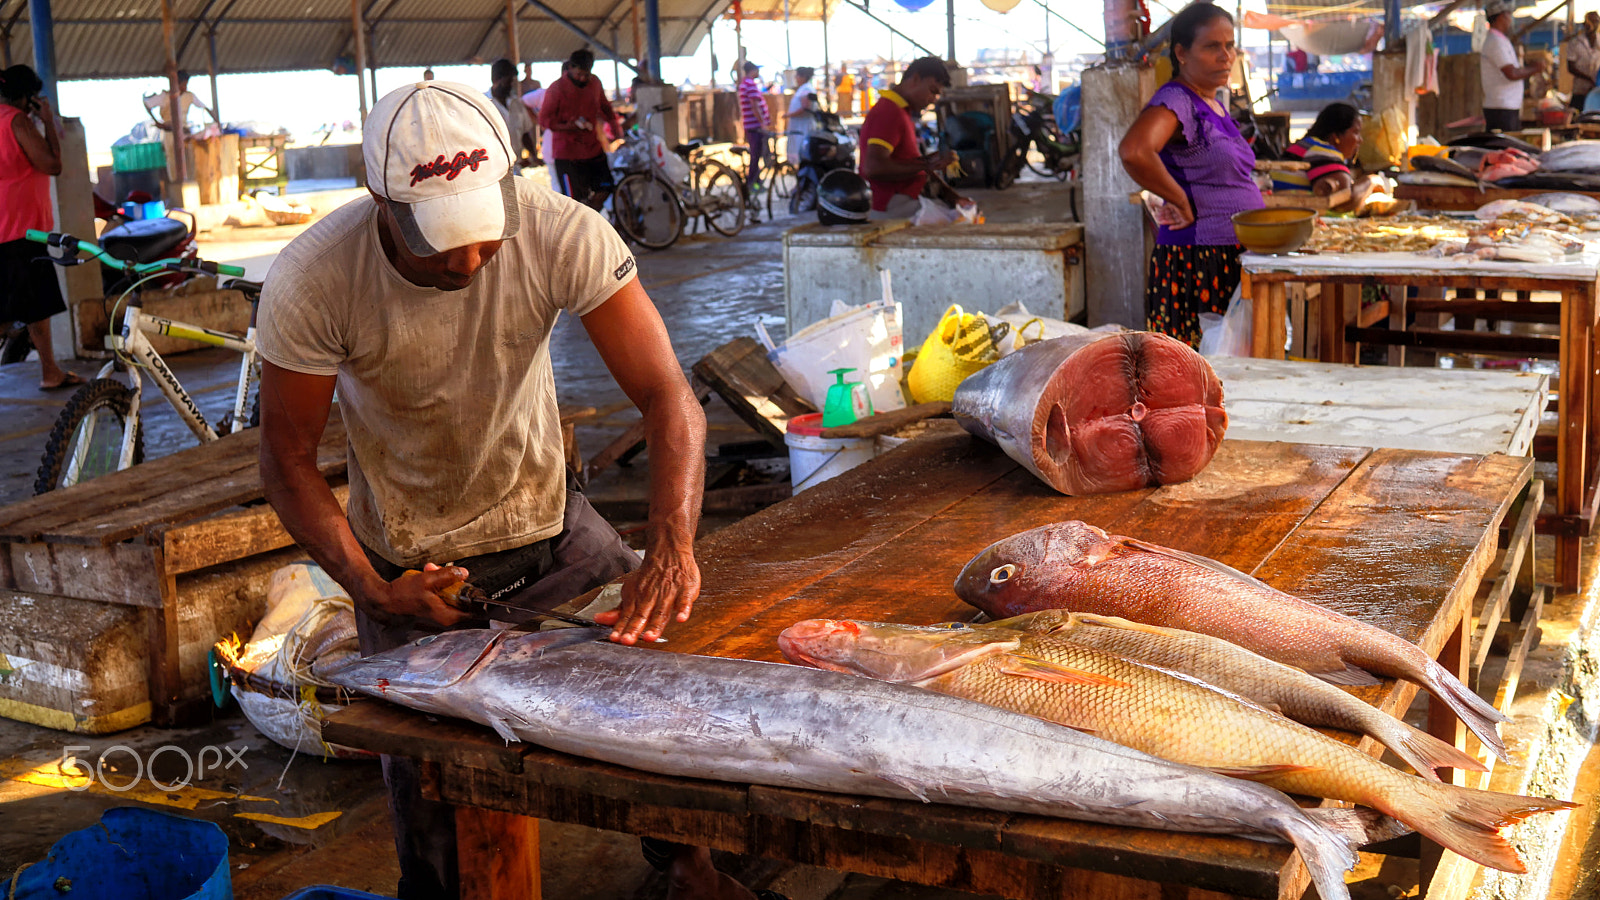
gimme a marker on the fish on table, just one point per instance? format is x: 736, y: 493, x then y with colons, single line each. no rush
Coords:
x: 1276, y: 687
x: 1078, y: 567
x: 790, y: 726
x: 1098, y: 413
x: 1170, y: 716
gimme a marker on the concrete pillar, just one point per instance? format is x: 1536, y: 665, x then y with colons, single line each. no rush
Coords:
x: 1389, y: 95
x: 669, y: 124
x: 1113, y: 228
x: 71, y: 194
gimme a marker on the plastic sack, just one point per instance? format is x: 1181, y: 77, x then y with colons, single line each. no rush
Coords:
x: 866, y: 338
x: 280, y: 676
x: 674, y: 167
x: 1230, y: 333
x: 1027, y: 328
x: 962, y: 343
x: 935, y: 212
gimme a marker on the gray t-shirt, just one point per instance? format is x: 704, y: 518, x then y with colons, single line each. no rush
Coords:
x: 448, y: 396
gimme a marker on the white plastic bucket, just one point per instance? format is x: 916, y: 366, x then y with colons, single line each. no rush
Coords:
x: 813, y: 460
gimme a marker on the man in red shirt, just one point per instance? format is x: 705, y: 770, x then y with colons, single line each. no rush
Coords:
x: 891, y: 159
x: 574, y: 107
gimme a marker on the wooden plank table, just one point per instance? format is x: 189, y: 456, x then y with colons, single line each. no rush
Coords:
x: 1399, y: 538
x: 1341, y: 277
x: 1450, y: 410
x: 1462, y: 197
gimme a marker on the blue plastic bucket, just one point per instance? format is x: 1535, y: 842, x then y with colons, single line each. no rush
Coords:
x: 134, y: 854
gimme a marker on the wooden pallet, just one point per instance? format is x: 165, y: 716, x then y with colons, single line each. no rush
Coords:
x: 164, y: 536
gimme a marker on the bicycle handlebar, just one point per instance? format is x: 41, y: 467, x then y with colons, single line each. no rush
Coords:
x: 71, y: 246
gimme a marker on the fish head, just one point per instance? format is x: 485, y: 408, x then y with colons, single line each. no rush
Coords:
x: 423, y: 668
x: 1029, y: 570
x: 889, y: 652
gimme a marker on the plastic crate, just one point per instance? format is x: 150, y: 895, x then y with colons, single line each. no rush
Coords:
x: 329, y: 892
x: 138, y: 157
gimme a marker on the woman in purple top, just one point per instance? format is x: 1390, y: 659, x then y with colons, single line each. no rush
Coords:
x: 1185, y: 149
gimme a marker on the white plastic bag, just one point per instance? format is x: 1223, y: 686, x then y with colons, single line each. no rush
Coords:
x: 865, y: 338
x: 674, y: 167
x: 1027, y: 327
x: 1229, y: 334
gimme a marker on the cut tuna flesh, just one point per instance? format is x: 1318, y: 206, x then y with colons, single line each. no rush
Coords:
x: 1098, y: 413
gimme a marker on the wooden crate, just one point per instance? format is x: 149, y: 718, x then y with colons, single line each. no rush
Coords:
x: 168, y: 539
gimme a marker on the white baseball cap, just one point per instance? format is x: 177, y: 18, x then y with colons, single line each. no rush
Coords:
x: 441, y: 153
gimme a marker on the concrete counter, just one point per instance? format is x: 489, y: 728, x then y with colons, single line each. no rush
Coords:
x: 981, y: 267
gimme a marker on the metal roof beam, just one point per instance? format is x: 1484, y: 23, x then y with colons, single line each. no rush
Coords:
x: 194, y: 27
x: 587, y: 38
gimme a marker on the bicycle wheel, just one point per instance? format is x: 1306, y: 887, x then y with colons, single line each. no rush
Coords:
x: 721, y: 197
x: 647, y: 211
x: 87, y: 439
x: 781, y: 182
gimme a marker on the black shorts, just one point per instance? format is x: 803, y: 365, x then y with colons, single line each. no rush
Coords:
x: 1502, y: 119
x: 578, y: 178
x: 29, y: 291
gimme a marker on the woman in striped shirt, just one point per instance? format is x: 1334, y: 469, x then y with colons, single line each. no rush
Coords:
x: 1329, y: 145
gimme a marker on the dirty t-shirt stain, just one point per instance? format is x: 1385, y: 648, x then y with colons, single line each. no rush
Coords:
x: 447, y: 396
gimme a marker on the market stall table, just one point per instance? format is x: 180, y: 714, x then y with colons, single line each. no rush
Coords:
x: 1464, y: 197
x: 1337, y: 315
x: 1400, y: 538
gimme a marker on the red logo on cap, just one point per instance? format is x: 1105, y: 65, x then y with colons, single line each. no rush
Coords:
x: 449, y: 168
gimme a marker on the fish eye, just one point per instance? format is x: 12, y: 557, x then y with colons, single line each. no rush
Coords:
x: 1002, y: 574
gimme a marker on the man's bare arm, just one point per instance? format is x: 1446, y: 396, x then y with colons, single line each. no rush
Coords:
x: 633, y: 342
x: 294, y: 412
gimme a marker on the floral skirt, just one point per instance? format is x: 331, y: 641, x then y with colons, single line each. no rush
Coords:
x: 1185, y: 281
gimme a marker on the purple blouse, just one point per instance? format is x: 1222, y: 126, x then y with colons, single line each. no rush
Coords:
x: 1211, y: 162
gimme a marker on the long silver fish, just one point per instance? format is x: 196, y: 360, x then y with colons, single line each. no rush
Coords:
x: 790, y: 726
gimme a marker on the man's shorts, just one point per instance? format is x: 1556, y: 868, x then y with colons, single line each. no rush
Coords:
x: 578, y: 178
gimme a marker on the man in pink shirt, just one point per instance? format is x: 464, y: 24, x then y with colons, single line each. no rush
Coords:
x: 574, y: 108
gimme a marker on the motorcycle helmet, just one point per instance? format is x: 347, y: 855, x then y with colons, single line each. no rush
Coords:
x: 843, y: 198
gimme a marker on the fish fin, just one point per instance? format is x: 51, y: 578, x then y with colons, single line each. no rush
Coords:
x: 1326, y: 856
x: 1081, y: 618
x: 1424, y: 753
x: 1349, y: 676
x: 1359, y: 825
x: 1029, y: 667
x: 503, y: 728
x: 1474, y: 711
x: 909, y: 787
x: 1196, y: 559
x: 1259, y: 773
x: 1468, y: 821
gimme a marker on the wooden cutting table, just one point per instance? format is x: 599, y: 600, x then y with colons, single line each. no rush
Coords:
x: 1342, y: 327
x: 1399, y: 538
x: 1462, y: 197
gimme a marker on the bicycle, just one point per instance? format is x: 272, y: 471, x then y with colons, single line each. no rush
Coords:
x: 98, y: 432
x: 715, y: 191
x: 645, y: 206
x: 779, y: 178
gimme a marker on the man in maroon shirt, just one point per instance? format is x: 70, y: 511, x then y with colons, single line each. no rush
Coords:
x: 574, y: 107
x: 891, y: 159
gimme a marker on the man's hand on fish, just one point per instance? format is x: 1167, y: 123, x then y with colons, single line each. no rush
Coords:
x: 419, y: 594
x: 664, y: 587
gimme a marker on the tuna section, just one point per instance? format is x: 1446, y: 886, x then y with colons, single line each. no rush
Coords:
x: 1097, y: 413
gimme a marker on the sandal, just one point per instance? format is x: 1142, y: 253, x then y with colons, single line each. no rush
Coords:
x: 68, y: 379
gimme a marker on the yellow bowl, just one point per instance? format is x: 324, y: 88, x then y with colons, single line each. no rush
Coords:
x: 1274, y: 229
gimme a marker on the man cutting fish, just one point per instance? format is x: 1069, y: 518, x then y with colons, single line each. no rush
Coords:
x: 429, y: 306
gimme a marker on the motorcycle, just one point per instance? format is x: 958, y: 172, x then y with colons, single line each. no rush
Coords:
x: 827, y: 148
x: 1033, y: 127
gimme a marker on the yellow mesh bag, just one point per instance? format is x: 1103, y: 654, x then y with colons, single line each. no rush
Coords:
x: 962, y: 343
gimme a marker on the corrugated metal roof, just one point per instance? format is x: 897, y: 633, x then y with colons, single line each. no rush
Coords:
x: 123, y: 38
